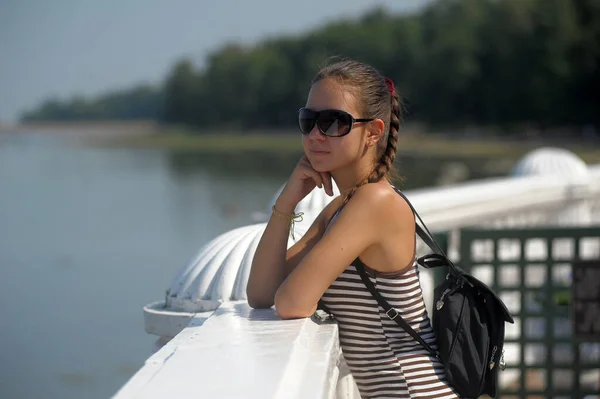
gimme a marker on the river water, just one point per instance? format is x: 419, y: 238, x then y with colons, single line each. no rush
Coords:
x: 88, y: 236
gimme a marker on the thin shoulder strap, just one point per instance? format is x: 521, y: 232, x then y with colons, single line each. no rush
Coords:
x: 390, y: 311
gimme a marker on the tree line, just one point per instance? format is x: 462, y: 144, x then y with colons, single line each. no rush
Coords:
x: 456, y: 62
x: 139, y: 102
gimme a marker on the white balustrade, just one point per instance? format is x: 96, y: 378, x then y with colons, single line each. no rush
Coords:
x: 240, y: 352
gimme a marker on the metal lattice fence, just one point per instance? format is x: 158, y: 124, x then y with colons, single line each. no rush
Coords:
x: 531, y: 270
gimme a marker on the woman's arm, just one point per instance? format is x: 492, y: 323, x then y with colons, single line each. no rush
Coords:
x: 270, y: 265
x: 363, y: 222
x: 273, y: 262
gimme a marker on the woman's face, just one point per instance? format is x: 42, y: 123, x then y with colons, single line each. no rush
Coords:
x: 327, y: 154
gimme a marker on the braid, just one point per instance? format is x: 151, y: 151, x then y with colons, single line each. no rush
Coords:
x: 385, y: 166
x: 376, y: 102
x: 387, y: 159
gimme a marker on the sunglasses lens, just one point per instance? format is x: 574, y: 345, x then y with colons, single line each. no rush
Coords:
x: 331, y: 123
x: 306, y: 120
x: 334, y: 123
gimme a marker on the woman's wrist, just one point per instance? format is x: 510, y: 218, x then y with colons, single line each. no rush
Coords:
x: 291, y: 217
x: 285, y: 207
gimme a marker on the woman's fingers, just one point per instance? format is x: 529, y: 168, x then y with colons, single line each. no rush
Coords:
x: 322, y: 179
x: 310, y: 172
x: 326, y: 178
x: 305, y: 162
x: 316, y: 176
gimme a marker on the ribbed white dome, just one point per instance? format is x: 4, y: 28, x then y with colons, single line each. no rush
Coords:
x: 551, y: 161
x: 219, y: 271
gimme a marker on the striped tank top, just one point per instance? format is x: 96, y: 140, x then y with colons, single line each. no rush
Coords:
x: 385, y: 361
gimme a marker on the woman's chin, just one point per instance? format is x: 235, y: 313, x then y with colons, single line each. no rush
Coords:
x: 320, y: 165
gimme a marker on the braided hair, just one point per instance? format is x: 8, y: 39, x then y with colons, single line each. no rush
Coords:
x: 378, y: 100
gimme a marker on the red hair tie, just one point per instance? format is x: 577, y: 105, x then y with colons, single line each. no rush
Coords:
x: 390, y: 85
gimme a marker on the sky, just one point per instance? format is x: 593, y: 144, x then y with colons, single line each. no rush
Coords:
x: 62, y: 48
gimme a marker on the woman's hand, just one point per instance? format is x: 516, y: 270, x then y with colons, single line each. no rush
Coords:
x: 302, y: 181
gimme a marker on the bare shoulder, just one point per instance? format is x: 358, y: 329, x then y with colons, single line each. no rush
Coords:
x: 383, y: 203
x: 375, y: 193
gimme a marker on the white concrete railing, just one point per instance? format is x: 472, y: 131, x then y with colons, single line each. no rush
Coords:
x: 240, y: 352
x: 227, y: 350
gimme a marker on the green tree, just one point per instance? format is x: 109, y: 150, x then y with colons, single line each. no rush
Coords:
x: 182, y: 95
x: 456, y: 62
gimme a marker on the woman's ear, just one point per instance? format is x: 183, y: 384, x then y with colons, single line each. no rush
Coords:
x: 375, y: 131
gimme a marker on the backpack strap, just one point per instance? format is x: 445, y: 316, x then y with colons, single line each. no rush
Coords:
x: 390, y: 311
x: 429, y: 261
x: 438, y: 259
x: 435, y: 260
x: 422, y: 232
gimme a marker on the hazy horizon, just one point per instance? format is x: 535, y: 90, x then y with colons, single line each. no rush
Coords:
x: 88, y: 47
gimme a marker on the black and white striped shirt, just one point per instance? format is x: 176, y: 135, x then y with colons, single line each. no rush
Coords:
x: 385, y: 361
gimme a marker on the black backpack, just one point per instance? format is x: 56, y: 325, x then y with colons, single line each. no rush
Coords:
x: 468, y: 320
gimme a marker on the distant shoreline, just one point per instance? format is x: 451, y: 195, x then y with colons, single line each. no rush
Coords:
x: 415, y: 139
x: 107, y: 128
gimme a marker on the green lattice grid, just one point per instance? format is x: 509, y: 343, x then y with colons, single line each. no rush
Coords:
x: 550, y: 296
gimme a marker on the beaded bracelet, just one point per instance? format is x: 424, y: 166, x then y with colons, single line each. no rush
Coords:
x: 296, y: 217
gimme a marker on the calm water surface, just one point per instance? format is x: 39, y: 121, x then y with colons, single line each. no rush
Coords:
x: 88, y: 236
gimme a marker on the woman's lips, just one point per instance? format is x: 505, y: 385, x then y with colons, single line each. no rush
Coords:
x: 317, y: 152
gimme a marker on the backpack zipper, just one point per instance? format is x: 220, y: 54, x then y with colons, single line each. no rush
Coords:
x: 492, y: 363
x: 440, y: 304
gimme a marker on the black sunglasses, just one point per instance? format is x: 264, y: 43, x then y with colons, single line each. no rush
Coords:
x: 331, y: 122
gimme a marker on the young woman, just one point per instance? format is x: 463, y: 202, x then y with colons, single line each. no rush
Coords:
x: 350, y: 134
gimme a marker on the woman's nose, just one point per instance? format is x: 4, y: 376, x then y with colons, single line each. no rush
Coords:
x: 315, y: 133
